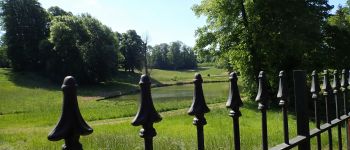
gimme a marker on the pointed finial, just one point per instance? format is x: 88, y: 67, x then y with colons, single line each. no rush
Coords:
x: 315, y: 85
x: 326, y: 86
x: 146, y: 113
x: 344, y: 82
x: 282, y: 89
x: 234, y: 99
x: 336, y: 82
x: 263, y: 96
x: 71, y: 124
x: 198, y: 107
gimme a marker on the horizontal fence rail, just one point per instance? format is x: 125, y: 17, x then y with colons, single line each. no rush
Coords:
x: 71, y: 124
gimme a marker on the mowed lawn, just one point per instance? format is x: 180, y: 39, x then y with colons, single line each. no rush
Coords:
x: 30, y: 107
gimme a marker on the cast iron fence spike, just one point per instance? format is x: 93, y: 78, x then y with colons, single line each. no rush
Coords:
x: 71, y: 124
x: 327, y: 94
x: 326, y: 86
x: 282, y: 95
x: 282, y: 89
x: 344, y: 81
x: 234, y: 102
x: 336, y: 81
x: 263, y: 95
x: 315, y: 85
x: 198, y: 109
x: 234, y: 99
x: 315, y: 90
x: 262, y: 98
x: 336, y: 87
x: 146, y: 114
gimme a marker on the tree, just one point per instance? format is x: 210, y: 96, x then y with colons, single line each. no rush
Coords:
x: 26, y: 25
x: 83, y: 47
x: 174, y: 56
x: 57, y: 11
x: 337, y: 37
x: 132, y: 47
x: 268, y: 35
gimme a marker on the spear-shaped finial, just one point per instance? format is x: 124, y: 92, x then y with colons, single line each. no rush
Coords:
x: 263, y: 95
x: 282, y: 89
x: 336, y: 82
x: 326, y: 86
x: 198, y: 107
x: 344, y: 81
x: 234, y: 99
x: 71, y: 124
x: 146, y: 114
x: 315, y: 85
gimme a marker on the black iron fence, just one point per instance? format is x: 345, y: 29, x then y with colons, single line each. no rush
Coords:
x: 71, y: 124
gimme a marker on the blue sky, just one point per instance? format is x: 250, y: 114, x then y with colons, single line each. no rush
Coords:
x: 163, y: 20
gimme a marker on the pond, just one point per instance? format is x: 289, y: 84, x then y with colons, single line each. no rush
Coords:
x: 183, y: 92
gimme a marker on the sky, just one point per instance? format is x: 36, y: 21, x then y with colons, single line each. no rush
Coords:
x: 163, y: 21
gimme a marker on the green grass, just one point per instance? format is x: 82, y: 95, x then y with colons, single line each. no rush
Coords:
x: 30, y: 106
x: 173, y: 77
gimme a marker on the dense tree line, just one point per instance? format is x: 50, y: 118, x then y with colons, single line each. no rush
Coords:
x: 174, y: 56
x: 58, y: 43
x: 273, y: 35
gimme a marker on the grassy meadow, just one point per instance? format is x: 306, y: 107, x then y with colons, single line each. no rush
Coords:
x: 30, y: 107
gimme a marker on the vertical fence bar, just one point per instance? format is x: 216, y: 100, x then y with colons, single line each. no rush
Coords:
x: 234, y: 102
x: 198, y: 109
x: 262, y: 98
x: 71, y: 124
x: 315, y: 90
x: 336, y: 88
x: 301, y: 106
x: 344, y: 88
x: 327, y: 94
x: 146, y: 114
x: 282, y: 95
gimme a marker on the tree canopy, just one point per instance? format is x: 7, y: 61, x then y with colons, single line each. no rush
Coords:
x: 268, y: 35
x: 26, y: 25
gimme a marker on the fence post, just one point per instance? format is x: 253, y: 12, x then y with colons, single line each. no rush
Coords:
x: 198, y: 109
x: 262, y: 99
x: 71, y: 124
x: 315, y: 90
x: 301, y: 107
x: 146, y: 114
x: 344, y: 88
x: 282, y: 95
x: 336, y: 88
x: 327, y: 94
x: 234, y: 102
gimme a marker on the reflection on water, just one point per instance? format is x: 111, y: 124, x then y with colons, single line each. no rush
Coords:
x: 211, y: 90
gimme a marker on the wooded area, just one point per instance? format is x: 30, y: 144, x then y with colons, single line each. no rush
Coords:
x: 58, y: 43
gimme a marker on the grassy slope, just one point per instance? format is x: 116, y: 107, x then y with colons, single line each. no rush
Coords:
x: 30, y: 106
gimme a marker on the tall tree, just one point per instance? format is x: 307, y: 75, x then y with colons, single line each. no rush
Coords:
x: 26, y: 25
x: 262, y: 34
x: 132, y: 47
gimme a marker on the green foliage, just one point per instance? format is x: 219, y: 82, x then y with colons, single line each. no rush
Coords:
x: 57, y: 11
x: 132, y: 48
x: 337, y: 37
x: 4, y: 61
x: 173, y: 56
x: 269, y: 35
x: 83, y: 47
x: 26, y: 25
